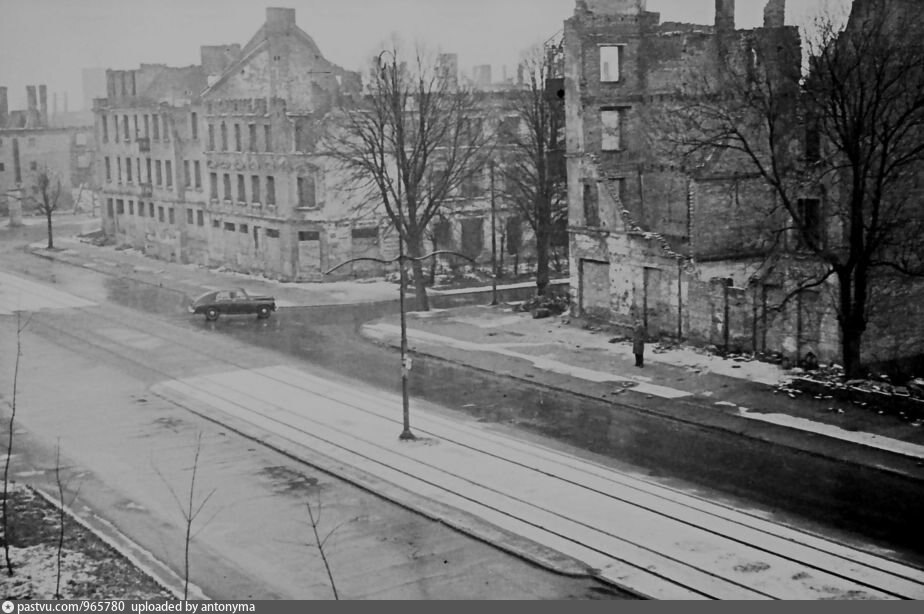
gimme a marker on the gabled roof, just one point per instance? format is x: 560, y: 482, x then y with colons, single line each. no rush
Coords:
x: 254, y: 46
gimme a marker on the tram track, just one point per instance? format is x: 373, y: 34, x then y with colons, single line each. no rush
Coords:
x: 875, y: 575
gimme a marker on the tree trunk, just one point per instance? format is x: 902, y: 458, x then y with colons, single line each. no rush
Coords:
x: 433, y: 262
x: 543, y: 240
x: 420, y: 285
x: 852, y: 323
x: 51, y: 242
x: 850, y: 351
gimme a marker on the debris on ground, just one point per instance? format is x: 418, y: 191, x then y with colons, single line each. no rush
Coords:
x: 555, y: 304
x: 878, y: 393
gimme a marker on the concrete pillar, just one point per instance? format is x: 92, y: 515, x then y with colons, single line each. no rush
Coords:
x: 14, y: 202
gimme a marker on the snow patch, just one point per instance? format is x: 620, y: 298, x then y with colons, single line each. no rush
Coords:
x: 489, y: 323
x: 382, y: 331
x: 867, y: 439
x: 37, y: 572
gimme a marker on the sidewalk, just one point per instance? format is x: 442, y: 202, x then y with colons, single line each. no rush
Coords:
x: 681, y: 382
x: 194, y: 280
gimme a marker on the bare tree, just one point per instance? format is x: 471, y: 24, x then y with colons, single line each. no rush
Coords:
x: 190, y: 510
x: 839, y: 144
x: 61, y: 487
x: 321, y: 542
x: 9, y: 445
x: 409, y: 144
x: 534, y: 169
x: 49, y: 187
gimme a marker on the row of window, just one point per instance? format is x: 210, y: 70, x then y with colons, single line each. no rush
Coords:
x: 156, y: 172
x: 118, y: 207
x: 252, y: 130
x: 193, y: 216
x: 150, y: 126
x: 255, y: 189
x: 33, y: 166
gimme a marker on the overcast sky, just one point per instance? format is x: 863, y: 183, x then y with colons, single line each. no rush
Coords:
x: 50, y: 41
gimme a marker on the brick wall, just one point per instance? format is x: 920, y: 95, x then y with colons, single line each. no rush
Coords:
x: 896, y: 326
x: 732, y: 216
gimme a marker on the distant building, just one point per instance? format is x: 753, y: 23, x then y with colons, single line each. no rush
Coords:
x: 30, y: 144
x: 219, y: 164
x: 211, y: 163
x: 149, y: 134
x: 447, y: 66
x: 481, y: 75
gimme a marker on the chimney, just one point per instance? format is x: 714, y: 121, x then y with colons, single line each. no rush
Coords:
x: 4, y: 107
x: 31, y: 100
x: 31, y: 107
x: 775, y: 14
x: 279, y: 20
x: 724, y: 16
x: 43, y: 105
x: 54, y: 104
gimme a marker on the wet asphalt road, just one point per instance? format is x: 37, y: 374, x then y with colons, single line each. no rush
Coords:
x: 440, y: 563
x: 794, y: 488
x: 791, y: 487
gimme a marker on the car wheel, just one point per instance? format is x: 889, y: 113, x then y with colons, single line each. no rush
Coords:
x: 211, y: 314
x: 263, y: 312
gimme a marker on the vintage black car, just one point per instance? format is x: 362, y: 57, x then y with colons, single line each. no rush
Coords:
x: 233, y: 302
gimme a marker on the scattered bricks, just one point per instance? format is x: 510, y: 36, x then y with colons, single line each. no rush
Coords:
x: 541, y: 312
x: 883, y: 401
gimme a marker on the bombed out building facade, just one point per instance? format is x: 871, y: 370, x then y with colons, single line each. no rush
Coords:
x: 222, y: 164
x: 209, y: 164
x: 677, y: 247
x: 34, y: 140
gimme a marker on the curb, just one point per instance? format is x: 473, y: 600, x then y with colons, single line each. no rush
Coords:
x: 807, y: 449
x: 79, y: 263
x: 90, y: 267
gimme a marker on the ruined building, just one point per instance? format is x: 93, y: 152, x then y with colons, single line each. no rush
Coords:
x: 652, y: 239
x: 32, y: 142
x: 222, y: 164
x: 214, y: 163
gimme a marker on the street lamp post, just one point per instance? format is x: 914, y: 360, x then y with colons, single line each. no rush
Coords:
x: 402, y: 259
x: 493, y: 241
x: 406, y: 434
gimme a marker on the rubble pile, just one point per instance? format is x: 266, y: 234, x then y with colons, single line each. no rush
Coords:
x: 878, y: 395
x: 96, y: 238
x: 546, y: 306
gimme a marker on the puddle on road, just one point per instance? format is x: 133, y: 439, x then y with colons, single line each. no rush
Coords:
x: 145, y: 297
x: 287, y: 481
